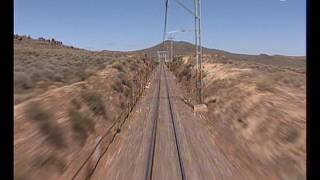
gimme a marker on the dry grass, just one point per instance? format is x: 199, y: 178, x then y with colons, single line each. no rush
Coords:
x: 38, y: 65
x: 22, y: 81
x: 46, y: 121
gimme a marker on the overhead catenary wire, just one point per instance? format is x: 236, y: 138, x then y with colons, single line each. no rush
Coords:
x: 186, y: 8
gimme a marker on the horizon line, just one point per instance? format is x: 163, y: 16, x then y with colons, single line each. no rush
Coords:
x: 128, y: 51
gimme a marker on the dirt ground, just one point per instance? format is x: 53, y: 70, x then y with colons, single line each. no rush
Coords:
x: 257, y: 111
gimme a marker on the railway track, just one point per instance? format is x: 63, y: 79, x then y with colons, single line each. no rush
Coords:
x: 155, y: 118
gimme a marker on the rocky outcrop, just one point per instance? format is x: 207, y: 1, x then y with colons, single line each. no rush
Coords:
x: 52, y: 41
x: 16, y: 36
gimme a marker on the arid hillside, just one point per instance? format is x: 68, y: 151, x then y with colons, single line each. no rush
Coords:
x: 74, y: 102
x: 256, y: 110
x: 40, y: 65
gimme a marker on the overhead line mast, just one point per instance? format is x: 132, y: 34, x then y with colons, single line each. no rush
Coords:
x: 162, y: 53
x: 197, y: 22
x: 165, y: 21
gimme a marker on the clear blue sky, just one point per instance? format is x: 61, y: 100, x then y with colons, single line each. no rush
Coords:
x: 240, y: 26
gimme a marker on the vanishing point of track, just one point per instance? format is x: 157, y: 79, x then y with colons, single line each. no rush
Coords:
x: 155, y: 116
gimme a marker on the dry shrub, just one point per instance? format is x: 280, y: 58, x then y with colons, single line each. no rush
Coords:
x: 287, y: 133
x: 294, y: 81
x: 35, y: 75
x: 122, y: 105
x: 75, y: 103
x: 185, y: 71
x: 52, y: 159
x: 22, y: 81
x: 127, y: 92
x: 124, y: 80
x: 48, y: 126
x: 90, y: 71
x: 219, y: 85
x: 94, y: 101
x: 124, y: 63
x: 82, y: 125
x: 117, y: 86
x: 134, y: 64
x: 119, y: 67
x: 289, y: 78
x: 265, y: 84
x: 57, y: 78
x: 48, y: 74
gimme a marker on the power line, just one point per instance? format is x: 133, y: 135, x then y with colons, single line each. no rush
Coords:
x: 186, y: 8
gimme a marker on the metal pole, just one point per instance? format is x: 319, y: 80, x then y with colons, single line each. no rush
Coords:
x: 200, y: 55
x: 197, y: 14
x: 199, y: 84
x: 196, y: 40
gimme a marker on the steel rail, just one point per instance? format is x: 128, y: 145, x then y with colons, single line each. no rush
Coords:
x: 173, y: 119
x: 155, y: 116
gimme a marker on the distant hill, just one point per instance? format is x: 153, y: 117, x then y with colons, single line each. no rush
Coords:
x: 180, y: 48
x: 186, y: 48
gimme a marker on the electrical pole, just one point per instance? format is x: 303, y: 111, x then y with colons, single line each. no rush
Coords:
x: 200, y: 58
x: 197, y: 19
x: 196, y: 44
x: 199, y: 82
